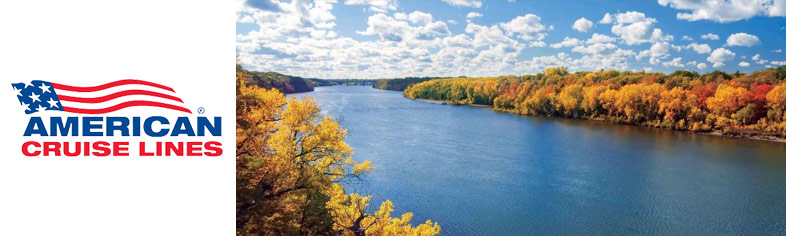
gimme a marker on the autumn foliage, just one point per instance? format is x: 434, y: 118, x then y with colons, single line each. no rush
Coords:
x: 290, y: 164
x: 731, y: 103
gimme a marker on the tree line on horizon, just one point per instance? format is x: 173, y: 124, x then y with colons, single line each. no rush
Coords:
x: 749, y: 104
x: 289, y: 84
x: 401, y: 83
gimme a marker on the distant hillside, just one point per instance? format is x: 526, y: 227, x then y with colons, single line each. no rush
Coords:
x: 400, y: 84
x: 284, y: 83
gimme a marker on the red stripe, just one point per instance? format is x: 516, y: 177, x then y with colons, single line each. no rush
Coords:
x: 117, y: 95
x: 125, y: 105
x: 109, y: 85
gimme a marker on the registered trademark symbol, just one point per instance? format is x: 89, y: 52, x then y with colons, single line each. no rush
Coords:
x: 201, y: 110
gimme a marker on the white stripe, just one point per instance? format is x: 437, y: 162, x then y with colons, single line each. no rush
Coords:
x: 120, y: 100
x: 113, y: 90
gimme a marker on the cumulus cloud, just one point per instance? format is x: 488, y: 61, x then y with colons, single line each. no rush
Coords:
x: 687, y: 38
x: 537, y: 44
x: 566, y: 42
x: 474, y: 14
x: 528, y: 27
x: 582, y: 25
x: 726, y: 10
x: 397, y: 29
x: 375, y: 5
x: 676, y: 62
x: 600, y: 38
x: 700, y: 48
x: 719, y: 56
x: 636, y: 28
x: 598, y: 48
x: 606, y: 19
x: 742, y: 39
x: 744, y: 64
x: 757, y: 58
x: 656, y: 52
x: 416, y: 17
x: 298, y: 37
x: 710, y: 36
x: 465, y: 3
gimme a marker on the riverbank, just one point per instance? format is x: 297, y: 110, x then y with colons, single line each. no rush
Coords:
x: 730, y: 134
x: 449, y: 103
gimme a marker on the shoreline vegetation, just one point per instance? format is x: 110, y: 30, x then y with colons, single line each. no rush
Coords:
x: 735, y: 105
x: 288, y: 84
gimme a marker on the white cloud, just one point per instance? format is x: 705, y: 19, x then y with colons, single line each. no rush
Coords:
x: 676, y: 62
x: 537, y: 44
x: 700, y: 48
x: 719, y: 56
x: 710, y: 36
x: 636, y: 28
x: 598, y: 48
x: 744, y: 64
x: 465, y: 3
x: 726, y: 10
x: 485, y: 36
x: 777, y: 50
x: 397, y: 29
x: 416, y: 17
x: 606, y: 19
x: 474, y: 14
x: 566, y: 42
x: 582, y: 25
x: 375, y: 5
x: 757, y: 58
x: 528, y: 27
x: 778, y: 63
x: 687, y: 38
x: 600, y: 38
x: 701, y: 66
x: 656, y: 52
x: 742, y: 39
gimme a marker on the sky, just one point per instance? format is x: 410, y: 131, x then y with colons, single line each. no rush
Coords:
x: 370, y: 39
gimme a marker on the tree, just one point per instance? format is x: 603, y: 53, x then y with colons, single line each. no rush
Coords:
x: 569, y: 100
x: 728, y: 100
x: 290, y: 161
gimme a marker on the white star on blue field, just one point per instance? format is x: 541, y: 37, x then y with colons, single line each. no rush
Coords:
x: 36, y: 95
x: 389, y: 38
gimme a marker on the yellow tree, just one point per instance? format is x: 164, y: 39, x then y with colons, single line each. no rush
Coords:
x: 728, y: 100
x: 776, y: 101
x: 289, y: 161
x: 349, y: 217
x: 569, y: 100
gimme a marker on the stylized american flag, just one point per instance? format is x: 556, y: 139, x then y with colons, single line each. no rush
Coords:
x: 38, y: 95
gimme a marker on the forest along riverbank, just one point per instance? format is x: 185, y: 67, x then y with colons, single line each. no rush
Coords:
x: 736, y: 105
x: 752, y: 136
x: 480, y: 172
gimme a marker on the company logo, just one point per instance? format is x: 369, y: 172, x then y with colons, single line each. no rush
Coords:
x: 85, y: 102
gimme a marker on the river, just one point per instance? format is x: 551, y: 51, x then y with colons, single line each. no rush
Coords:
x: 480, y: 172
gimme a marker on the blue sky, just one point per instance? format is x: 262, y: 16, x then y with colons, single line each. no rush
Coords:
x: 388, y: 38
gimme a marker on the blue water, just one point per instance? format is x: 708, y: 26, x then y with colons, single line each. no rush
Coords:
x: 479, y: 172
